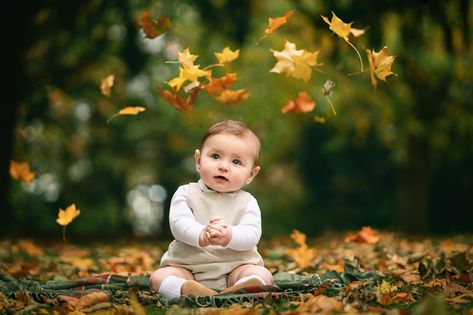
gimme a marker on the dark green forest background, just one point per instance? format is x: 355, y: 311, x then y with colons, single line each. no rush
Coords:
x: 398, y: 158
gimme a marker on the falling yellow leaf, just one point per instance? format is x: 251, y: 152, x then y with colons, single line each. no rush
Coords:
x: 21, y: 171
x: 107, y: 84
x: 303, y: 255
x: 186, y: 58
x: 276, y: 23
x: 343, y: 30
x: 128, y: 111
x: 380, y: 64
x: 227, y: 55
x: 339, y: 27
x: 295, y: 63
x: 66, y: 216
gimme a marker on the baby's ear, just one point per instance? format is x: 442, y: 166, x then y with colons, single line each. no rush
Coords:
x: 197, y: 159
x: 253, y: 174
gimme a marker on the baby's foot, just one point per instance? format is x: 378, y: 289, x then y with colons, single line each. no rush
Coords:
x: 191, y: 287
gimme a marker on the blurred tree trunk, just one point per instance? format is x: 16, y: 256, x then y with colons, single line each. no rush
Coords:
x: 16, y: 17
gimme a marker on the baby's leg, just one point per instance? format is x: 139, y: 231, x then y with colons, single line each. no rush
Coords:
x: 176, y: 281
x: 247, y: 275
x: 159, y: 275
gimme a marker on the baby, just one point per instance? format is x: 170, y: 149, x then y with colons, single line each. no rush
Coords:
x: 216, y: 224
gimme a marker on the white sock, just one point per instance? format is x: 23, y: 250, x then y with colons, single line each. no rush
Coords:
x: 250, y: 277
x: 171, y: 287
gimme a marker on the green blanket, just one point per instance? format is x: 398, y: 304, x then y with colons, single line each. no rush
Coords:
x: 286, y: 286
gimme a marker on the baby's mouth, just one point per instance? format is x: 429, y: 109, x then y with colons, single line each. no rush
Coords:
x: 221, y: 177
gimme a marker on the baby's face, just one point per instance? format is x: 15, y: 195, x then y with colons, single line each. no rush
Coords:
x: 227, y: 161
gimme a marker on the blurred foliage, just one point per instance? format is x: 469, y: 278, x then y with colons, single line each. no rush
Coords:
x: 399, y: 156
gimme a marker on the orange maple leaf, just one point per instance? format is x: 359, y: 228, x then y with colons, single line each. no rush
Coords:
x: 21, y: 171
x: 232, y: 97
x: 127, y: 111
x: 177, y: 100
x: 365, y: 235
x: 107, y: 84
x: 303, y: 103
x: 67, y: 216
x: 154, y: 28
x: 303, y: 255
x: 276, y: 23
x: 218, y: 85
x: 380, y: 64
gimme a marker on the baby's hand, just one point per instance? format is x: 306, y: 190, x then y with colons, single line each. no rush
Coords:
x: 220, y: 234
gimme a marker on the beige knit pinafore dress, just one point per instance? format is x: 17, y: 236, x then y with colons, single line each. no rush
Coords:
x: 210, y: 265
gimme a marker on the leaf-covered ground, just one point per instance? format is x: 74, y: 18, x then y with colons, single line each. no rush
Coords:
x: 421, y: 276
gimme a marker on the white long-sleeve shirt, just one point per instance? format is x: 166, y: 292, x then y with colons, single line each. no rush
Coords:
x: 245, y: 235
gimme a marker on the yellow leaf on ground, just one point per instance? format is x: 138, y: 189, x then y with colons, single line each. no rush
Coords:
x: 66, y: 216
x: 303, y: 255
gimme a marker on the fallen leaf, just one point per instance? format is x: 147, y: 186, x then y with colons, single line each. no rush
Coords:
x: 380, y: 64
x: 127, y: 111
x: 227, y: 55
x: 321, y: 303
x: 303, y: 255
x: 365, y: 235
x: 154, y: 28
x: 91, y: 299
x: 21, y: 171
x: 67, y: 216
x: 107, y: 84
x: 303, y: 103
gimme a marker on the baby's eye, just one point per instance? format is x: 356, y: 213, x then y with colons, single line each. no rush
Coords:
x: 236, y: 162
x: 215, y: 156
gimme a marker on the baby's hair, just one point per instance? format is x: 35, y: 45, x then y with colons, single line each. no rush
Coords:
x: 233, y: 127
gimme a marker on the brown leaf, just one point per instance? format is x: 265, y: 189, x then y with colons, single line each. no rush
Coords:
x: 91, y: 299
x: 321, y: 303
x: 365, y: 235
x: 232, y: 97
x: 154, y: 28
x: 303, y: 103
x: 177, y: 100
x: 218, y: 85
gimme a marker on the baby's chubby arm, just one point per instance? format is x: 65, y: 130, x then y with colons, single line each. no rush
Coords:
x: 182, y: 222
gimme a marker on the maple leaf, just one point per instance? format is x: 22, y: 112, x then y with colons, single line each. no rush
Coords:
x: 177, y: 100
x: 194, y: 73
x: 276, y: 23
x: 380, y: 64
x: 186, y: 58
x: 303, y: 103
x: 365, y: 235
x: 21, y: 171
x: 303, y: 255
x: 227, y: 55
x: 154, y: 28
x: 66, y: 216
x: 295, y: 63
x: 107, y: 84
x: 218, y: 85
x: 127, y: 111
x: 343, y: 30
x: 232, y: 97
